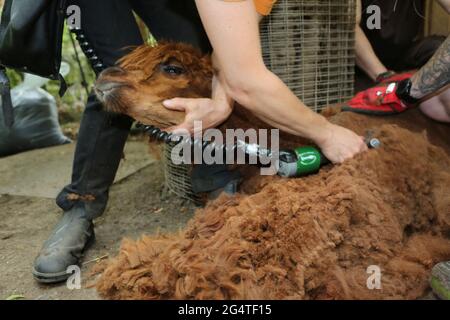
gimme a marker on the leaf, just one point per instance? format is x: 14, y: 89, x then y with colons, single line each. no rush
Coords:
x: 15, y: 297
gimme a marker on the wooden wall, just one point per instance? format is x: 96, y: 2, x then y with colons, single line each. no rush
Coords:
x: 437, y: 19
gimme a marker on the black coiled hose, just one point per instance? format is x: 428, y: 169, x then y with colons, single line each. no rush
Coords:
x: 169, y: 138
x: 88, y: 50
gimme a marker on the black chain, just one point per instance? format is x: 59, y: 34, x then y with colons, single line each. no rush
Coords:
x: 88, y: 50
x: 170, y: 138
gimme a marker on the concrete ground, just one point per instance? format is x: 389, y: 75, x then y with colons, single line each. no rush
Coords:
x: 28, y: 184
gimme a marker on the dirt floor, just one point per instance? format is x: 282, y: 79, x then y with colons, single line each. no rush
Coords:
x: 138, y: 204
x: 262, y: 244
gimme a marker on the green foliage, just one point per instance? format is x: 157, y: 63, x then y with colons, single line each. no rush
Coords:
x: 14, y: 77
x: 15, y: 297
x: 151, y: 41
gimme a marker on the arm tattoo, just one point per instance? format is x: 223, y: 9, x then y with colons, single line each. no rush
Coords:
x: 434, y: 75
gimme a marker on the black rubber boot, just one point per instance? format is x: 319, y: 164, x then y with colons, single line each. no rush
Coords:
x: 231, y: 188
x: 72, y: 235
x: 213, y: 178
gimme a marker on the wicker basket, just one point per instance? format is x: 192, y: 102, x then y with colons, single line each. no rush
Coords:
x: 310, y: 46
x: 177, y: 177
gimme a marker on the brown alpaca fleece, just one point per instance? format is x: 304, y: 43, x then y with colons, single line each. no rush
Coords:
x: 304, y: 238
x: 311, y: 237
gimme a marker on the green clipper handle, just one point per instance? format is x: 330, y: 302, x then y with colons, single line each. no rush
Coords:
x: 307, y: 160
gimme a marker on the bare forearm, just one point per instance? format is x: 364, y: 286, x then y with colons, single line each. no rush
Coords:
x: 434, y: 75
x: 219, y: 94
x: 366, y: 58
x: 273, y: 102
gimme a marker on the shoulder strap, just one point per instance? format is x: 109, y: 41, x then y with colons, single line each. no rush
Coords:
x: 62, y: 85
x: 5, y: 93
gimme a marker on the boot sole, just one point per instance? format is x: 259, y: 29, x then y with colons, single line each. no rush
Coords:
x: 50, y: 277
x: 58, y: 277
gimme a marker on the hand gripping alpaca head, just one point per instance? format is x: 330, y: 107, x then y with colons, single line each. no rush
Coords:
x: 147, y: 76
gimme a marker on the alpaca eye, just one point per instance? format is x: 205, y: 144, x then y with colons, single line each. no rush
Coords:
x: 173, y: 70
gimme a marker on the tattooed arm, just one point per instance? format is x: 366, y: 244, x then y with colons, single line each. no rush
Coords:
x: 434, y: 75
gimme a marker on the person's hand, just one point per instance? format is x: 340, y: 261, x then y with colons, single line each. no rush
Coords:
x: 341, y: 144
x: 391, y: 76
x: 211, y: 113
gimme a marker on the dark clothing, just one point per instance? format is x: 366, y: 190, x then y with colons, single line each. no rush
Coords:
x: 399, y: 43
x: 401, y: 25
x: 109, y: 25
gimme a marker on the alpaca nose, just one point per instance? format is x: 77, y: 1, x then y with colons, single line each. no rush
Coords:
x: 103, y: 88
x: 106, y: 86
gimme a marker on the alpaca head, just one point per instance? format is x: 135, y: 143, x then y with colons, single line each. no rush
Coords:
x: 149, y: 75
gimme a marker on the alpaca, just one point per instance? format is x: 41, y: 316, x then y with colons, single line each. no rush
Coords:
x: 315, y: 237
x: 149, y: 75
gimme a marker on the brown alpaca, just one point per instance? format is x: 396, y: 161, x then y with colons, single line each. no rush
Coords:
x: 149, y: 75
x: 305, y: 238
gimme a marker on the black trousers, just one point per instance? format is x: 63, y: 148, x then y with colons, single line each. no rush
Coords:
x: 110, y: 27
